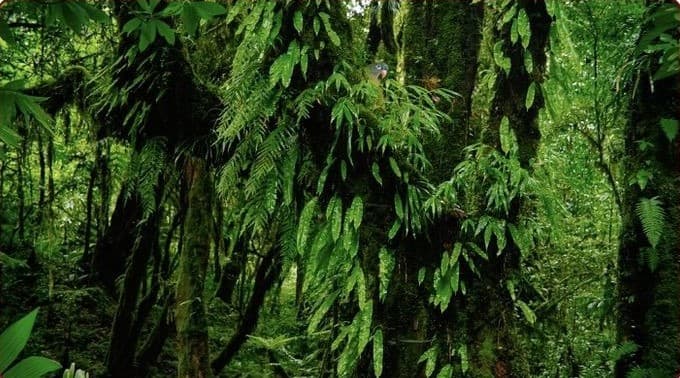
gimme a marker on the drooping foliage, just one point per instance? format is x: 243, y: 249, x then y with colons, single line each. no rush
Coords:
x: 227, y: 188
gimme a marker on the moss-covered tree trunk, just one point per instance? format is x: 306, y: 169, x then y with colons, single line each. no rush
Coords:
x: 493, y: 323
x: 649, y: 276
x: 190, y: 314
x: 438, y: 48
x: 178, y: 110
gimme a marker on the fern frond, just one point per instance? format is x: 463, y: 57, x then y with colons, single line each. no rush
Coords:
x: 622, y: 350
x: 652, y: 217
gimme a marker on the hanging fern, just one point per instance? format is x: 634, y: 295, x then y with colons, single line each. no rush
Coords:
x: 651, y: 214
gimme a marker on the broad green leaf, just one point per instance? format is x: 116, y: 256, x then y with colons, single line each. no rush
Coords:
x: 208, y: 9
x: 348, y: 358
x: 398, y: 206
x: 165, y: 31
x: 421, y: 275
x: 443, y: 290
x: 7, y: 108
x: 356, y: 212
x: 321, y: 312
x: 335, y: 217
x: 132, y: 25
x: 670, y: 128
x: 477, y: 250
x: 506, y: 135
x: 430, y: 356
x: 394, y: 229
x: 395, y: 167
x: 14, y: 338
x: 74, y: 16
x: 514, y: 35
x: 173, y: 9
x: 147, y: 35
x: 365, y: 317
x: 316, y: 25
x: 329, y: 29
x: 528, y: 62
x: 32, y: 367
x: 95, y: 13
x: 14, y: 85
x: 9, y: 136
x: 190, y: 19
x: 297, y: 21
x: 455, y: 277
x: 464, y: 359
x: 642, y: 177
x: 531, y: 92
x: 387, y: 263
x: 144, y: 4
x: 304, y: 60
x: 524, y: 28
x: 446, y: 371
x: 343, y: 170
x: 500, y: 59
x: 457, y: 249
x: 29, y: 106
x: 378, y: 352
x: 527, y: 312
x: 305, y: 224
x: 320, y: 249
x: 375, y: 170
x: 444, y: 263
x: 509, y: 14
x: 510, y: 286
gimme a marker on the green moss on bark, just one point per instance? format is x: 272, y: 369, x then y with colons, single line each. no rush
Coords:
x: 192, y: 327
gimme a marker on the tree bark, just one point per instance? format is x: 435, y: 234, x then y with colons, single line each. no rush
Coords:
x: 125, y: 329
x: 648, y: 300
x: 439, y: 46
x: 493, y: 327
x: 190, y: 314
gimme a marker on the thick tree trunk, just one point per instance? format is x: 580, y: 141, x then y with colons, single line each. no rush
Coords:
x: 126, y: 324
x: 649, y: 277
x: 153, y: 345
x: 190, y: 314
x: 439, y: 44
x: 492, y: 325
x: 114, y: 247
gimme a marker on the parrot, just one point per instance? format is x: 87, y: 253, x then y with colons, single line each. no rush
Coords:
x: 377, y: 71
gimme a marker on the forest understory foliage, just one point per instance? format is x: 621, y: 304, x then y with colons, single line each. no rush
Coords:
x: 367, y: 188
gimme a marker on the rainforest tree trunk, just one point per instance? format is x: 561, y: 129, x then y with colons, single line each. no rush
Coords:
x: 493, y: 324
x: 438, y: 48
x: 190, y: 314
x: 649, y: 276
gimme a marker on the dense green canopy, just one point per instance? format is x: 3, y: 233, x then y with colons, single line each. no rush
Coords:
x: 393, y: 188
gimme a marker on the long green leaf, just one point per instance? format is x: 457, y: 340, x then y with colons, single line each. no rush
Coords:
x: 14, y: 338
x: 32, y: 367
x: 378, y: 352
